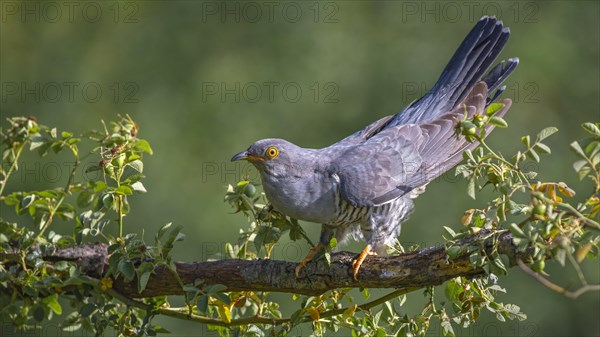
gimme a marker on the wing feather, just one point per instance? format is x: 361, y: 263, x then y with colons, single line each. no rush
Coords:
x: 401, y: 159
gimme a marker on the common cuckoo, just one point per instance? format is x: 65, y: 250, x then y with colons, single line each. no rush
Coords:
x: 363, y: 186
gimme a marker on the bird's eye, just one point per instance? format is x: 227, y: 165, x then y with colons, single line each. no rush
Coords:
x: 272, y: 152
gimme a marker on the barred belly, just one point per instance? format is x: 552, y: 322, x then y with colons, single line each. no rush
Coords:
x: 346, y: 213
x: 378, y: 225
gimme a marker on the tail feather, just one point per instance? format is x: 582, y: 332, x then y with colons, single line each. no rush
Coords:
x: 497, y: 75
x: 467, y: 66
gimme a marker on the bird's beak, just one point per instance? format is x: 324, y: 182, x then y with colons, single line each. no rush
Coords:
x: 245, y: 156
x: 240, y: 156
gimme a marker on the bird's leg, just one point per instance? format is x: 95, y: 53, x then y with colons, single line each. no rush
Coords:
x: 356, y: 263
x: 308, y: 258
x: 326, y: 235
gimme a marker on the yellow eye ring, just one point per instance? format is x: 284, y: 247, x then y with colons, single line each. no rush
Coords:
x: 272, y: 152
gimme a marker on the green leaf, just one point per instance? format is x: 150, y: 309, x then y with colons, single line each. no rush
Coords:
x: 87, y: 310
x: 266, y: 235
x: 144, y: 272
x: 592, y: 149
x: 215, y: 288
x: 99, y: 186
x: 27, y: 200
x: 108, y: 200
x: 127, y: 269
x: 61, y: 265
x: 454, y: 252
x: 137, y: 165
x: 578, y: 165
x: 138, y: 187
x: 516, y: 231
x: 52, y: 303
x: 225, y: 313
x: 542, y: 148
x: 497, y: 261
x: 453, y: 290
x: 493, y: 108
x: 468, y: 155
x: 533, y: 155
x: 164, y: 229
x: 124, y: 190
x: 175, y: 235
x: 144, y: 146
x: 545, y: 133
x: 526, y: 141
x: 85, y: 198
x: 583, y: 172
x: 578, y: 150
x: 450, y: 231
x: 471, y: 188
x: 202, y: 304
x: 591, y: 128
x: 66, y: 134
x: 223, y: 298
x: 36, y: 141
x: 498, y: 121
x: 447, y: 328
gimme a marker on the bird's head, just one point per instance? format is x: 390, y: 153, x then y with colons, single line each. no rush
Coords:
x: 273, y: 156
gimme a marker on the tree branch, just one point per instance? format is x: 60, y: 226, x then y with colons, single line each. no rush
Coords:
x: 426, y: 267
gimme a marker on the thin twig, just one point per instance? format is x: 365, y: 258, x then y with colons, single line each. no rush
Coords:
x: 553, y: 286
x: 183, y: 313
x: 365, y: 306
x: 11, y: 168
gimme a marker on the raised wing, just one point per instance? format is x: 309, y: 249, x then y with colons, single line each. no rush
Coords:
x: 401, y: 159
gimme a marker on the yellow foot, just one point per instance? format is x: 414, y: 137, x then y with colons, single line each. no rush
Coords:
x: 356, y: 263
x: 308, y: 258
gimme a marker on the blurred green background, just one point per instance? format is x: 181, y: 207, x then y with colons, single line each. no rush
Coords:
x: 206, y: 79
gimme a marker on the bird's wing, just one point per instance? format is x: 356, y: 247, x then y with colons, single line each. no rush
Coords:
x: 372, y: 169
x: 398, y: 160
x: 366, y: 133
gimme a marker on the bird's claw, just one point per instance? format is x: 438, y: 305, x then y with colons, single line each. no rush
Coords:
x: 299, y: 267
x: 356, y: 263
x: 307, y: 259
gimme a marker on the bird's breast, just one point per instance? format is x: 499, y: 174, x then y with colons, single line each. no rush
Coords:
x: 309, y: 198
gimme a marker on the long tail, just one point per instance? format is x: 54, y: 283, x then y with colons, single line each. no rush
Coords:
x: 471, y: 60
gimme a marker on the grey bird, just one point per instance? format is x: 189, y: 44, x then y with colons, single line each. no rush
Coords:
x: 363, y: 186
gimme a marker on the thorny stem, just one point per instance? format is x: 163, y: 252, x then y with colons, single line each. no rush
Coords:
x: 522, y: 177
x: 120, y: 214
x: 11, y: 168
x: 67, y: 190
x: 120, y: 201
